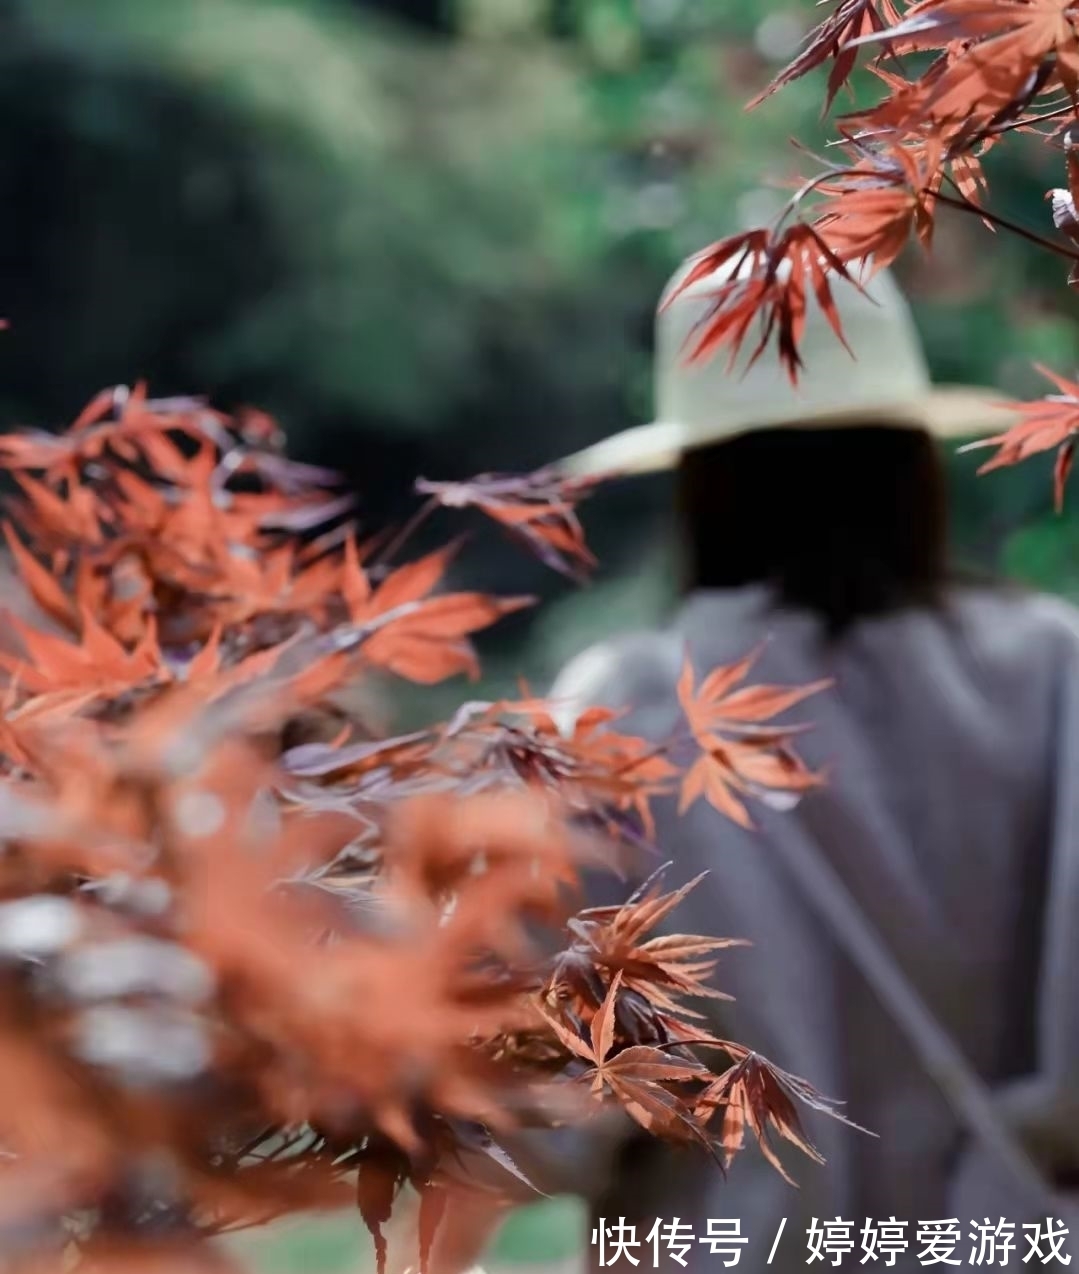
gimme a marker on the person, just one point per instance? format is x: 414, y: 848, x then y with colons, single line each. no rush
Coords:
x: 813, y: 526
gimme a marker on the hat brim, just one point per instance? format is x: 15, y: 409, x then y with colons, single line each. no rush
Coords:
x: 946, y: 412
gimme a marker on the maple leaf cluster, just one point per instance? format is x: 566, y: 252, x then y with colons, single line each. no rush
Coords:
x: 256, y: 954
x: 958, y: 77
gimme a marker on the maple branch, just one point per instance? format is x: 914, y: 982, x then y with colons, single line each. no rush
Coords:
x: 809, y: 187
x: 962, y: 204
x: 1029, y: 121
x: 683, y: 734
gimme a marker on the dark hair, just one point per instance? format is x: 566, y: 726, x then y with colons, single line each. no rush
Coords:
x: 847, y: 522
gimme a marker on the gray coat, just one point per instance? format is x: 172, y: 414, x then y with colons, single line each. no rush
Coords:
x: 955, y: 738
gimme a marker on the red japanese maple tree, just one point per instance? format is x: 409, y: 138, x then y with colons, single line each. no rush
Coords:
x: 958, y: 78
x: 257, y: 956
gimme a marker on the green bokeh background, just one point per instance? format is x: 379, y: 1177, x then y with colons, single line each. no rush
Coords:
x: 429, y: 235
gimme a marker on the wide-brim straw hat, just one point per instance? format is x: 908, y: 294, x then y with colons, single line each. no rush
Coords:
x: 882, y: 377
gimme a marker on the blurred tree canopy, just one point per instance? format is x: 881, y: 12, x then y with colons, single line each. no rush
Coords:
x: 431, y: 234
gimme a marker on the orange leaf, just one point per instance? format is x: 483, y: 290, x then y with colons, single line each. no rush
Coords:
x: 1042, y: 425
x: 41, y: 583
x: 603, y: 1022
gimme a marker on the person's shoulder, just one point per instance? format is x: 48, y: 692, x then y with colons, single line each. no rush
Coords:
x: 633, y: 671
x: 1012, y: 623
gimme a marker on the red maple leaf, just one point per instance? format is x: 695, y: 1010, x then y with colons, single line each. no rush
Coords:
x: 992, y: 49
x: 872, y: 208
x: 636, y: 1076
x: 755, y: 1094
x: 417, y: 636
x: 656, y: 967
x: 773, y: 276
x: 538, y: 508
x: 742, y: 754
x: 138, y: 431
x: 832, y: 40
x: 1047, y: 423
x: 97, y: 663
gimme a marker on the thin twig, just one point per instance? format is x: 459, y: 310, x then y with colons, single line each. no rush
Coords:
x: 963, y: 204
x: 407, y: 531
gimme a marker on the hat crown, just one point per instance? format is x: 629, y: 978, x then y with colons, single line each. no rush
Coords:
x: 708, y: 399
x: 880, y: 376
